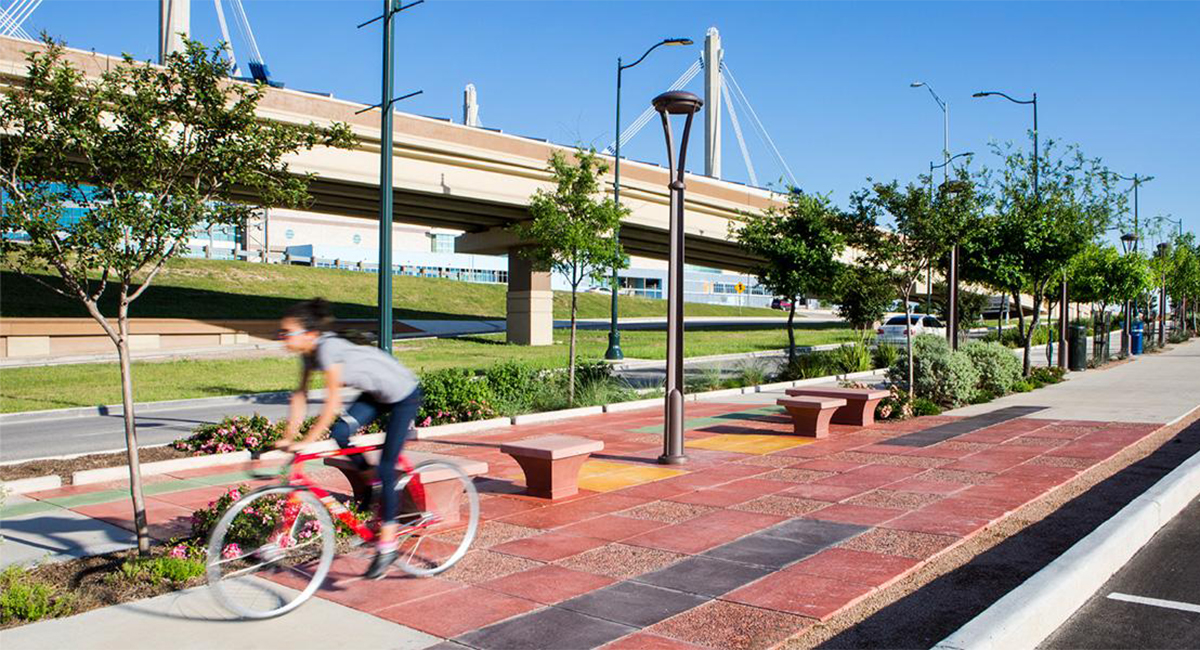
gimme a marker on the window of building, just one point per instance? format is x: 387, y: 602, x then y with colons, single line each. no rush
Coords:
x: 441, y: 243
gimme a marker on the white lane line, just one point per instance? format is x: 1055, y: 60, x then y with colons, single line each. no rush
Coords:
x: 1156, y: 602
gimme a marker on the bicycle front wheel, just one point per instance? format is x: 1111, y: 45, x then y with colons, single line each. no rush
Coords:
x: 270, y: 552
x: 439, y: 517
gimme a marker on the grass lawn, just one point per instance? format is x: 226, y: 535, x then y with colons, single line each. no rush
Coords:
x: 28, y: 389
x: 215, y: 289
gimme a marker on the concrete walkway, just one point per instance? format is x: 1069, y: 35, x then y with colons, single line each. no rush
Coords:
x: 1152, y: 388
x: 190, y: 620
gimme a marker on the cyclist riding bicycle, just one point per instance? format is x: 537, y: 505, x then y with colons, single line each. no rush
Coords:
x: 387, y: 387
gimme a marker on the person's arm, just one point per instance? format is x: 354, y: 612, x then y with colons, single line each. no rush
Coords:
x: 297, y: 409
x: 332, y: 408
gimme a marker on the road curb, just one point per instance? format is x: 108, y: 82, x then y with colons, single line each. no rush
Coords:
x: 1025, y: 616
x: 35, y: 484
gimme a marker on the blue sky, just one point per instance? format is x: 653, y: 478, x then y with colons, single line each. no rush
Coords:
x: 830, y: 80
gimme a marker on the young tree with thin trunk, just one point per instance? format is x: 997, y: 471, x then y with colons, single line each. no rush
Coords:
x: 799, y: 246
x: 143, y: 157
x: 573, y: 230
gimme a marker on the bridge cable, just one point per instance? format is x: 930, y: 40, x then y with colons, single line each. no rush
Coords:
x: 26, y: 11
x: 728, y: 74
x: 14, y: 16
x: 737, y: 130
x: 649, y: 113
x: 233, y: 66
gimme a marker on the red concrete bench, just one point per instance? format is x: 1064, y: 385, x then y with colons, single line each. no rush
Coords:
x: 441, y: 496
x: 860, y: 402
x: 811, y: 415
x: 551, y: 463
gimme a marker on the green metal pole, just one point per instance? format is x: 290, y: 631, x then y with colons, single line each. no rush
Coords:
x: 614, y: 352
x: 385, y: 184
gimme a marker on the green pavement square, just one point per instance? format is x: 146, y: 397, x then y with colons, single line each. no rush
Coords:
x: 19, y: 509
x: 89, y: 498
x: 177, y: 485
x: 697, y: 423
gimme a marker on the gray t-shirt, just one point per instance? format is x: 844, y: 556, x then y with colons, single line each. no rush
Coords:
x: 365, y: 368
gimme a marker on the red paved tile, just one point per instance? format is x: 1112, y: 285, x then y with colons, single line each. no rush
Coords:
x: 824, y: 492
x: 938, y: 523
x: 726, y: 625
x: 549, y: 547
x: 739, y: 519
x: 988, y: 461
x: 494, y: 507
x: 191, y: 499
x: 826, y: 465
x: 454, y: 612
x: 165, y: 520
x: 714, y: 497
x: 613, y: 528
x: 917, y: 484
x: 687, y: 537
x: 852, y: 514
x: 870, y: 477
x: 800, y: 593
x: 548, y: 584
x: 373, y: 595
x: 846, y: 565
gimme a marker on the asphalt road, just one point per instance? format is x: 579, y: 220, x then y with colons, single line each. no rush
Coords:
x: 1153, y: 602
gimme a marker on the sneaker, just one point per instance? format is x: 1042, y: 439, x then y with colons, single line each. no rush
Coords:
x: 380, y: 564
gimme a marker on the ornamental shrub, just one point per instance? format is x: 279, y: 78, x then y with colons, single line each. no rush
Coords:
x: 254, y: 433
x: 255, y: 523
x: 885, y: 355
x: 946, y: 377
x: 851, y: 357
x: 998, y: 368
x: 922, y: 407
x: 511, y: 384
x: 24, y: 598
x: 455, y: 395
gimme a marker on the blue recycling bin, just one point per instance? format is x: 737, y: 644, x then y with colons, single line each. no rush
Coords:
x: 1136, y: 331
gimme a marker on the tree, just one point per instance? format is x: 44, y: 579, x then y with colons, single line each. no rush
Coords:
x: 148, y: 155
x: 1184, y: 281
x: 1026, y: 241
x: 799, y: 247
x: 922, y: 229
x: 970, y: 305
x: 572, y: 230
x: 864, y: 294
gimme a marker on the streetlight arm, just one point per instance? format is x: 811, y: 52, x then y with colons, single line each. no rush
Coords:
x: 665, y: 41
x: 951, y: 159
x: 1015, y: 101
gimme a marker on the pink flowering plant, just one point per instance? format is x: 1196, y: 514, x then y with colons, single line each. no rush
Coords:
x: 259, y: 523
x: 254, y: 433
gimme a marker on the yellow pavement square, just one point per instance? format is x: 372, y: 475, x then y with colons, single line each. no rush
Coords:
x: 607, y: 476
x: 747, y: 443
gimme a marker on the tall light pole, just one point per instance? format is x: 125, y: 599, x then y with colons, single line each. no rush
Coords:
x: 614, y: 353
x: 1162, y: 295
x: 952, y: 275
x: 1137, y: 182
x: 390, y: 9
x: 952, y: 281
x: 676, y: 102
x: 1037, y: 196
x: 1129, y: 243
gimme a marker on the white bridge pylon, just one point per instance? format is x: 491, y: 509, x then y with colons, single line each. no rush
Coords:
x: 721, y: 90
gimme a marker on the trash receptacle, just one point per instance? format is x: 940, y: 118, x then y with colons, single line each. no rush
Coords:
x: 1135, y: 338
x: 1077, y: 348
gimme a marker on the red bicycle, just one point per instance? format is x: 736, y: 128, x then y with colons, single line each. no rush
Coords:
x: 272, y: 548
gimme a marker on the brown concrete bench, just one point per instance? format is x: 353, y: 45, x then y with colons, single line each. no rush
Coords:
x: 860, y: 402
x: 551, y: 463
x: 811, y: 415
x: 441, y: 496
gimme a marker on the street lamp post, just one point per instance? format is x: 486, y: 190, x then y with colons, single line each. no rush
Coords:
x: 676, y: 102
x: 1037, y: 195
x: 1162, y: 296
x: 952, y: 281
x: 614, y: 353
x: 1129, y: 243
x: 952, y: 276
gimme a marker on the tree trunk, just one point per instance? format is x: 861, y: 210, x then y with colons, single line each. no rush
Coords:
x: 571, y: 366
x: 1033, y: 325
x: 908, y: 325
x: 791, y: 334
x: 131, y: 444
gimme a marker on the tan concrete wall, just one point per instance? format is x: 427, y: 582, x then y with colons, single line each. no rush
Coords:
x: 54, y: 337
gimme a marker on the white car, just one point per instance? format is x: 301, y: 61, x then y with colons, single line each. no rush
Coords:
x: 893, y: 331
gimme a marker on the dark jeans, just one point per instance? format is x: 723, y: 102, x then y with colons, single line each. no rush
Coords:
x: 362, y: 412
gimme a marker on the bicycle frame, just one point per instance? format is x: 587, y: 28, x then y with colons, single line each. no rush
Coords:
x: 295, y: 476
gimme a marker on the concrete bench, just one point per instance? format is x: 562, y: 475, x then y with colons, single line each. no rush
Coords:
x: 551, y: 463
x: 860, y: 402
x: 811, y: 415
x: 442, y: 495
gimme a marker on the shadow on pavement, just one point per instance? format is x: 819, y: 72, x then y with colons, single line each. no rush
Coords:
x: 931, y: 613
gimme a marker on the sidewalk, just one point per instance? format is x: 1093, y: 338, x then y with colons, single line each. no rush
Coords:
x: 761, y: 537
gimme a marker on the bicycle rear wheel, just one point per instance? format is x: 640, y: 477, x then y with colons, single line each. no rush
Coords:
x: 440, y: 512
x: 270, y: 552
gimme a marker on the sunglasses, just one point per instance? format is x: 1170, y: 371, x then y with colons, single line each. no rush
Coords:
x: 285, y: 334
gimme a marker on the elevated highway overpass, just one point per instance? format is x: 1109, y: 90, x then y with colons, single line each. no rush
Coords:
x: 476, y: 180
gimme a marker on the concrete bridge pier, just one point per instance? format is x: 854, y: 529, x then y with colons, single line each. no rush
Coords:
x: 530, y: 310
